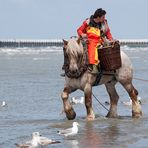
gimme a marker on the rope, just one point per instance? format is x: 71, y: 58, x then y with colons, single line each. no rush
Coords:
x: 103, y: 105
x: 141, y: 79
x: 99, y: 102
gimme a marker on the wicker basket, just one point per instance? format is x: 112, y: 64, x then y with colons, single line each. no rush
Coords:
x: 109, y: 57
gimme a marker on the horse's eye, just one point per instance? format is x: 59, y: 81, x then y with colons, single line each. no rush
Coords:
x: 79, y: 56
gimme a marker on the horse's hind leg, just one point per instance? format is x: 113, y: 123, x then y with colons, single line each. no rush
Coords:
x: 133, y: 93
x: 88, y: 102
x: 110, y: 87
x: 70, y: 113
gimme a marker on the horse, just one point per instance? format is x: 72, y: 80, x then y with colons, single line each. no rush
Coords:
x: 76, y: 78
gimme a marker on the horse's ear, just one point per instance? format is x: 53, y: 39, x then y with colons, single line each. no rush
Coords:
x: 78, y: 40
x: 65, y: 42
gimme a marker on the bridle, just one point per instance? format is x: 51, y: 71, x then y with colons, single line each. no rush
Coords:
x: 82, y: 62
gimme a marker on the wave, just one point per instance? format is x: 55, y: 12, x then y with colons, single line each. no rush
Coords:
x: 32, y: 50
x: 127, y: 48
x: 42, y: 50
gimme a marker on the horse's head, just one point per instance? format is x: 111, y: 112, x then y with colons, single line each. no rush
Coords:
x: 73, y: 52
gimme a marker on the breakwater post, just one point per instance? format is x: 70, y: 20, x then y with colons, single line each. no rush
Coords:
x: 134, y: 42
x: 30, y: 43
x: 59, y: 43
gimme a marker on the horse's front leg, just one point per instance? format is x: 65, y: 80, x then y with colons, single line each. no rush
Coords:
x: 69, y: 111
x: 88, y: 102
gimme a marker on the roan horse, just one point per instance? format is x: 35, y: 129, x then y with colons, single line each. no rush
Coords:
x: 74, y: 52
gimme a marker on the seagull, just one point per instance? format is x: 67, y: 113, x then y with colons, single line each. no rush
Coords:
x: 46, y: 141
x: 36, y: 141
x: 74, y: 101
x: 3, y: 104
x: 32, y: 143
x: 129, y: 103
x: 77, y: 101
x: 70, y: 131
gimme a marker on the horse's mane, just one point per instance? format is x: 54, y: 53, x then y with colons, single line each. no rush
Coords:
x: 74, y: 48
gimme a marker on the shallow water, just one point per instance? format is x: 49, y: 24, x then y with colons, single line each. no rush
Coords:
x: 31, y: 86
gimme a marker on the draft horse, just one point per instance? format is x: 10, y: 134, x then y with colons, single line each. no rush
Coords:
x: 76, y: 78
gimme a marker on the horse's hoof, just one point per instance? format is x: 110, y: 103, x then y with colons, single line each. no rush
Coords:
x: 70, y: 114
x: 111, y: 115
x: 136, y: 114
x: 90, y: 117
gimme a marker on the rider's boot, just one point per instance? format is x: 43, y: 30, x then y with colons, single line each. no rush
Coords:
x: 92, y: 68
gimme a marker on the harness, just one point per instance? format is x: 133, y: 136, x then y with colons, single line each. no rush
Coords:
x: 98, y: 78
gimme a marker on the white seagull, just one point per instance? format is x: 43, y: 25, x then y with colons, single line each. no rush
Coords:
x: 36, y: 141
x: 46, y: 141
x: 129, y: 103
x: 3, y: 104
x: 77, y: 101
x: 70, y: 131
x: 32, y: 143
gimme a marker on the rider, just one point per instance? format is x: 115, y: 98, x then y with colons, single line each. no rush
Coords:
x: 97, y: 32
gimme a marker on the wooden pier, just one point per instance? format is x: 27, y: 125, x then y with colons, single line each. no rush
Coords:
x: 30, y: 43
x: 134, y: 42
x: 59, y: 43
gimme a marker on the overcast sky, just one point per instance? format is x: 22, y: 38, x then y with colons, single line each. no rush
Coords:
x: 56, y: 19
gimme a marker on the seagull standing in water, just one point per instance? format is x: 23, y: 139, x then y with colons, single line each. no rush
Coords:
x: 3, y: 104
x: 77, y: 101
x: 37, y: 140
x: 46, y: 141
x: 70, y: 131
x: 32, y: 143
x: 129, y: 103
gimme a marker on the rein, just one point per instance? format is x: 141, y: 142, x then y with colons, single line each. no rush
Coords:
x: 140, y: 79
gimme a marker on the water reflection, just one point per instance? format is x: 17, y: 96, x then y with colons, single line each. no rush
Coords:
x: 91, y: 136
x: 111, y: 133
x: 73, y: 143
x: 101, y: 134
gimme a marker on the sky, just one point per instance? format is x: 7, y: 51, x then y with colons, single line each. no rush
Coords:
x: 60, y: 19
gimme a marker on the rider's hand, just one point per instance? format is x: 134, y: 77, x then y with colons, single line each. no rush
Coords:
x: 84, y: 36
x: 115, y: 41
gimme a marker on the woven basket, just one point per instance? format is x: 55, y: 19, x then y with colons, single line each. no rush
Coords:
x: 109, y: 57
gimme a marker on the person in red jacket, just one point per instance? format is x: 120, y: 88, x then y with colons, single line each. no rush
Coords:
x: 97, y: 32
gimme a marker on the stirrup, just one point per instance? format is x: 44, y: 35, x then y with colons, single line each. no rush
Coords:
x: 93, y: 69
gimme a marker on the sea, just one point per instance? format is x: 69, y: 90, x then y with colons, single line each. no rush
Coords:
x: 31, y: 86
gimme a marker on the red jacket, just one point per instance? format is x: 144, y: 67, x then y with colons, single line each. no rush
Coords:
x: 83, y: 29
x: 95, y: 38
